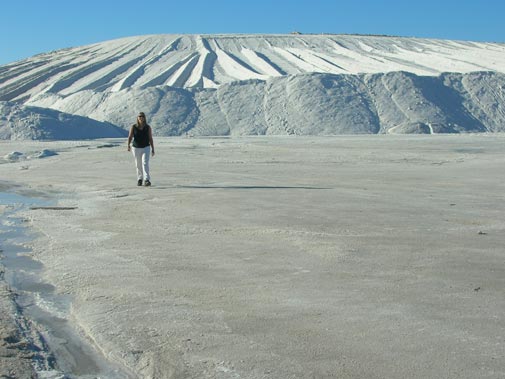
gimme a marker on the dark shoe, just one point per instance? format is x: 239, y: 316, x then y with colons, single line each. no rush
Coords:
x: 147, y: 183
x: 139, y: 182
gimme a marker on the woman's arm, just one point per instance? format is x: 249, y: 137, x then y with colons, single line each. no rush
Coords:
x: 130, y: 137
x: 151, y: 142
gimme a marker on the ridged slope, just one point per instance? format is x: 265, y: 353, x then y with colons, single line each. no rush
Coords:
x: 271, y: 84
x: 188, y: 61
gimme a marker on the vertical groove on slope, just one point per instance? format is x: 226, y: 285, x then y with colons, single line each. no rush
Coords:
x: 271, y: 63
x: 392, y: 96
x: 163, y: 77
x: 90, y: 68
x: 205, y: 60
x: 260, y: 64
x: 233, y: 68
x: 13, y: 71
x: 300, y: 65
x: 130, y: 79
x: 181, y: 76
x: 106, y: 80
x: 373, y: 102
x: 209, y: 62
x: 13, y: 91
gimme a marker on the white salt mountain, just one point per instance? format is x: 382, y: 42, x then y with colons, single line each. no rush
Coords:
x: 271, y: 84
x: 35, y: 123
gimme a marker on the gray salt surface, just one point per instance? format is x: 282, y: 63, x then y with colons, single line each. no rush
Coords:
x: 281, y: 257
x: 38, y: 340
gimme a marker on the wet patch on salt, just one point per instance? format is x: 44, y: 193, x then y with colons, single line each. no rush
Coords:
x: 67, y: 355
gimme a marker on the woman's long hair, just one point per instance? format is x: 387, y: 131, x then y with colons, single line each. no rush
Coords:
x: 141, y: 121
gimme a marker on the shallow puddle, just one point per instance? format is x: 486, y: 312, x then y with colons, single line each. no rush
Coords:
x: 39, y: 302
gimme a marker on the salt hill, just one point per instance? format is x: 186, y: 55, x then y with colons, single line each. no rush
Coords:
x: 35, y: 123
x: 270, y: 84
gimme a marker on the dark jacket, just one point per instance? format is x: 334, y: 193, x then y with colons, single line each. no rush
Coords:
x: 140, y: 136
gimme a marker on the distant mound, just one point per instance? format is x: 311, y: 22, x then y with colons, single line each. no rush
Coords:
x: 18, y: 122
x: 264, y: 84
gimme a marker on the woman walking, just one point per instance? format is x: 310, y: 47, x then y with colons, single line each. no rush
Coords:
x: 142, y: 148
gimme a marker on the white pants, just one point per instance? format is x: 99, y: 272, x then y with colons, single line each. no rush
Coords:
x: 142, y: 155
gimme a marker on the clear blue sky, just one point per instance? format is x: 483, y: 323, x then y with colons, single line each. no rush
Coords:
x: 30, y: 27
